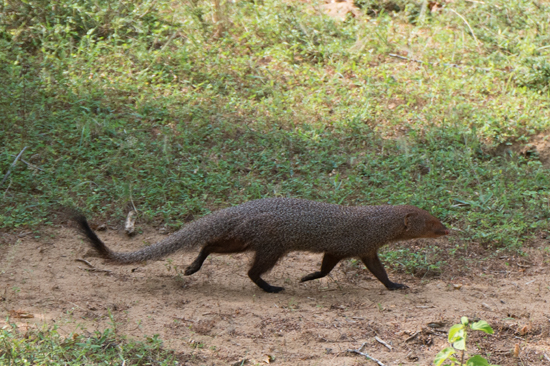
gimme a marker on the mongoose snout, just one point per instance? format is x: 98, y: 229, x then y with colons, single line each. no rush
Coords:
x: 439, y: 229
x: 272, y: 227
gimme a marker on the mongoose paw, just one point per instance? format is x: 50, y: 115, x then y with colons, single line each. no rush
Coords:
x: 397, y: 286
x: 273, y: 289
x: 190, y: 270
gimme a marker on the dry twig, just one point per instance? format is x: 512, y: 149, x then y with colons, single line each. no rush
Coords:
x: 434, y: 63
x: 84, y: 261
x: 95, y: 270
x: 31, y: 165
x: 12, y: 165
x: 360, y: 352
x: 384, y: 343
x: 413, y: 336
x: 92, y: 268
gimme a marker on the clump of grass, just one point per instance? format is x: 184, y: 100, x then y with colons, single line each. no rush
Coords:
x: 59, y: 26
x: 47, y: 346
x: 420, y: 263
x: 535, y: 74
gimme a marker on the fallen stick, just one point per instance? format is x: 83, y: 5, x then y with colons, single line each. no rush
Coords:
x: 444, y: 64
x: 360, y: 352
x: 95, y: 270
x: 384, y: 343
x: 13, y: 164
x: 7, y: 189
x: 29, y: 164
x: 92, y: 268
x: 84, y: 261
x: 412, y: 337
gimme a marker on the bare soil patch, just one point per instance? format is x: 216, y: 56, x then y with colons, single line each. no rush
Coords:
x: 219, y: 317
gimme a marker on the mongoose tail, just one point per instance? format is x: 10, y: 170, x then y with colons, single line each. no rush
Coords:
x: 273, y: 227
x: 90, y: 236
x: 192, y: 235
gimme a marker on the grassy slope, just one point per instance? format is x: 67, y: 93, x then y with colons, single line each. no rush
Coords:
x: 158, y: 104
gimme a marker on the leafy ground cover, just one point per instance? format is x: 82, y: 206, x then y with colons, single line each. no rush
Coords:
x: 188, y: 107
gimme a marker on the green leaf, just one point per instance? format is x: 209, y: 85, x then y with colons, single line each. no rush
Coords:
x: 460, y: 344
x: 483, y: 326
x: 456, y: 332
x: 477, y: 360
x: 464, y: 320
x: 443, y: 355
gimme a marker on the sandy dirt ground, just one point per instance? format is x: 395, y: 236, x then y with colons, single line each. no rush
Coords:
x: 219, y: 317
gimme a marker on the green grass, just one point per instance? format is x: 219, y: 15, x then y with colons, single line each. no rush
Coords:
x: 153, y: 103
x: 420, y: 263
x: 48, y: 347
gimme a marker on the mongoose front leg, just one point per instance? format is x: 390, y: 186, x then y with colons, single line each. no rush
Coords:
x: 329, y: 262
x: 263, y: 262
x: 377, y: 269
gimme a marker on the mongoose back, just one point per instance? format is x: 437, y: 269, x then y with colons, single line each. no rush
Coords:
x: 272, y: 227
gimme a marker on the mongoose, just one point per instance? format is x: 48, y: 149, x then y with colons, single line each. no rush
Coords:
x: 272, y: 227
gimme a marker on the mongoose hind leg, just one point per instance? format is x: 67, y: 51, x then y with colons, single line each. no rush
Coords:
x: 377, y: 269
x: 197, y: 263
x: 329, y: 262
x: 220, y: 246
x: 262, y: 263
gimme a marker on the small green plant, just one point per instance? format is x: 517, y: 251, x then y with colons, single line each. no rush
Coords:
x: 170, y: 265
x: 457, y: 339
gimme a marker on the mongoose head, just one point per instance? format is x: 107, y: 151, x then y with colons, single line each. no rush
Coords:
x: 420, y: 224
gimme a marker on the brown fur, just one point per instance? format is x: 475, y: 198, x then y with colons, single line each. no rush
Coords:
x: 272, y: 227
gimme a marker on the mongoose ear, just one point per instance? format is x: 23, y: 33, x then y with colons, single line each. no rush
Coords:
x: 408, y: 220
